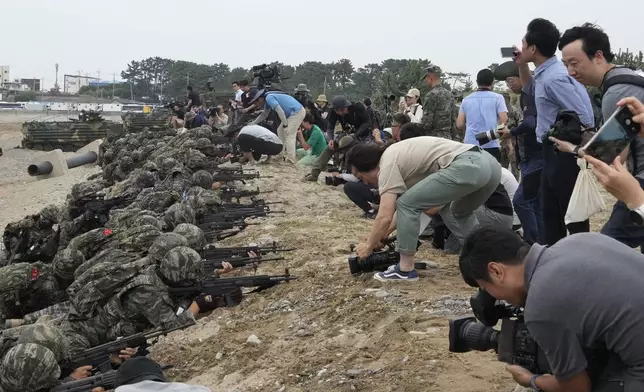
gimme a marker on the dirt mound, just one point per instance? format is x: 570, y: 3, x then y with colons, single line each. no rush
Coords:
x: 329, y: 331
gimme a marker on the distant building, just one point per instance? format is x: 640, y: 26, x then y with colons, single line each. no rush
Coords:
x: 4, y: 74
x: 32, y: 84
x: 73, y: 83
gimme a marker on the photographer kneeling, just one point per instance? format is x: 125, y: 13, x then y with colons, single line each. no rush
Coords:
x: 582, y: 300
x: 416, y: 175
x: 255, y: 141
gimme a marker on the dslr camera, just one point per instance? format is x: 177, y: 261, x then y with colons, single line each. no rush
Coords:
x: 513, y: 343
x: 379, y: 261
x: 488, y: 136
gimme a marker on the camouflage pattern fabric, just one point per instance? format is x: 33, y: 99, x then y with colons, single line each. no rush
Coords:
x: 117, y: 256
x: 205, y: 146
x: 157, y: 201
x: 51, y: 312
x: 91, y: 242
x: 26, y: 288
x: 195, y: 236
x: 28, y: 368
x: 138, y: 238
x: 127, y: 218
x: 177, y: 214
x: 91, y: 289
x: 86, y: 189
x: 438, y: 115
x: 48, y: 336
x: 182, y: 264
x: 202, y: 179
x: 202, y: 200
x: 65, y: 263
x: 164, y: 243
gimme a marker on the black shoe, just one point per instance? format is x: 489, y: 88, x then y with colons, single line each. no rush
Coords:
x: 370, y: 215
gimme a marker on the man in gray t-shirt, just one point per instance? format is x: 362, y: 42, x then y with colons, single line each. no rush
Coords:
x: 586, y: 53
x: 583, y: 304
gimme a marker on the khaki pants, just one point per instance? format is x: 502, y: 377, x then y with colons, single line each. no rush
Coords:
x: 288, y: 136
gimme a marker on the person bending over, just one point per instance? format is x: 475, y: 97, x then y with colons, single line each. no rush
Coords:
x: 255, y: 141
x: 398, y: 121
x: 416, y: 175
x: 312, y: 140
x: 290, y: 112
x: 582, y: 305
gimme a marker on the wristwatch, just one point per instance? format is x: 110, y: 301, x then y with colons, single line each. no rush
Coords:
x: 575, y: 151
x: 533, y: 383
x: 637, y: 215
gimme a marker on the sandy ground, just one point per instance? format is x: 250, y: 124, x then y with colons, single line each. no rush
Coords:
x: 325, y: 331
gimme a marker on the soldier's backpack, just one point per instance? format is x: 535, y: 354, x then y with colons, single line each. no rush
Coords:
x: 94, y: 287
x: 18, y: 278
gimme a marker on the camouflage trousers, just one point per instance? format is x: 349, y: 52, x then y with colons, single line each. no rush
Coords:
x: 509, y: 158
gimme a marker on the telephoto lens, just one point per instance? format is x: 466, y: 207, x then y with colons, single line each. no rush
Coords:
x: 486, y: 137
x: 466, y: 334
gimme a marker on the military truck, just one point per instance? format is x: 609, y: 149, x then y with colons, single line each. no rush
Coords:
x: 68, y: 136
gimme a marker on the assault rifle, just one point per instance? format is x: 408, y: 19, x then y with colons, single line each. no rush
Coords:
x: 213, y: 253
x: 255, y: 203
x: 225, y: 177
x: 104, y: 380
x: 221, y: 286
x: 99, y: 356
x: 232, y: 193
x: 237, y: 214
x: 223, y: 225
x: 210, y: 265
x: 98, y: 206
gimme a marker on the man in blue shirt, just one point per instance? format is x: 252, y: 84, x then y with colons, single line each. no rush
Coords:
x: 554, y: 90
x: 290, y: 112
x: 482, y: 111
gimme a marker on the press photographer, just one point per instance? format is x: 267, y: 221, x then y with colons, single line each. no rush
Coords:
x: 582, y: 305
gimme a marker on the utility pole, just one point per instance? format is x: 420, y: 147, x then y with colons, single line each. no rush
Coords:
x: 98, y: 85
x: 113, y: 83
x: 188, y: 79
x: 131, y: 92
x: 325, y: 85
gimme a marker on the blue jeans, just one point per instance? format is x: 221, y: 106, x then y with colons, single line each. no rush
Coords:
x: 526, y: 201
x: 621, y: 227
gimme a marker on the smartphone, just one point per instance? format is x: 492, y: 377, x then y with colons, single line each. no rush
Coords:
x: 613, y: 137
x: 508, y: 52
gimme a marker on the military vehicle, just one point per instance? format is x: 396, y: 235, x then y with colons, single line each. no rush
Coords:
x: 68, y: 136
x: 136, y: 122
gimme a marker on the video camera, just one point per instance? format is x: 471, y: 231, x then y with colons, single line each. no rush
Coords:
x: 512, y: 343
x: 488, y: 136
x: 266, y: 75
x: 379, y: 261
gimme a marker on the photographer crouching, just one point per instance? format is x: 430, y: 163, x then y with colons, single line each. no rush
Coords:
x: 416, y: 175
x: 582, y: 301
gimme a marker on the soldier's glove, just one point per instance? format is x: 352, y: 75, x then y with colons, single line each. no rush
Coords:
x: 208, y: 303
x: 233, y: 298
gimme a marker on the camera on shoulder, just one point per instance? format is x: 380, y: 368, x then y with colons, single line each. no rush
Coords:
x: 513, y: 343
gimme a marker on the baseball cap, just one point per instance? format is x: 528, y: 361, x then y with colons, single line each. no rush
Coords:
x: 414, y: 92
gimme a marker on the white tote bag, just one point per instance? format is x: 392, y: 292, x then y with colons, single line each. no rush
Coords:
x: 586, y: 200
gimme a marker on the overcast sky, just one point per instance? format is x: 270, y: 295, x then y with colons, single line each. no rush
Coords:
x: 462, y: 35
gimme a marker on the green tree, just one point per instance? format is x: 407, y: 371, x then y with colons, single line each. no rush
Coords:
x: 630, y: 59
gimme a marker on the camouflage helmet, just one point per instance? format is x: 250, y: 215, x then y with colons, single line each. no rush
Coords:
x: 167, y: 164
x: 204, y: 131
x: 150, y: 166
x: 194, y: 235
x: 126, y: 163
x: 66, y: 261
x: 179, y: 213
x: 164, y: 243
x: 50, y: 213
x: 84, y: 189
x: 108, y: 155
x: 181, y: 264
x: 203, y: 179
x: 189, y: 144
x: 48, y: 336
x: 145, y: 179
x: 140, y: 237
x: 195, y: 160
x: 28, y: 367
x: 204, y: 143
x: 151, y: 220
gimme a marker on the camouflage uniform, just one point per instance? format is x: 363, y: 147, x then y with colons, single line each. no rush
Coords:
x: 28, y: 368
x: 141, y: 303
x: 26, y: 288
x: 508, y: 153
x: 438, y: 116
x: 179, y: 213
x: 195, y: 236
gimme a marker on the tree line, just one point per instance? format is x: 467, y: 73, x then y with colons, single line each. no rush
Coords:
x: 155, y: 77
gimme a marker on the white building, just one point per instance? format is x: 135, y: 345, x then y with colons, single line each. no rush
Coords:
x: 73, y: 83
x: 4, y: 74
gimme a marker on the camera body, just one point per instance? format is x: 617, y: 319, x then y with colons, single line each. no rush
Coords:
x: 488, y: 136
x: 266, y: 75
x: 513, y: 343
x: 379, y: 261
x: 334, y: 181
